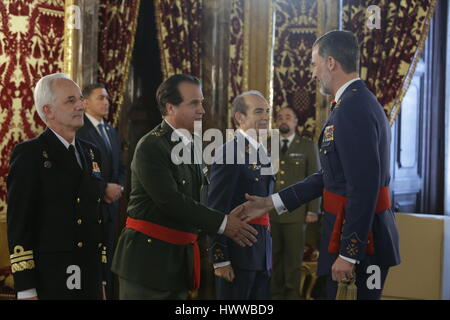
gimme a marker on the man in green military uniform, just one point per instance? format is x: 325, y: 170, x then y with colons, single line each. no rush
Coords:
x: 157, y: 255
x: 298, y: 159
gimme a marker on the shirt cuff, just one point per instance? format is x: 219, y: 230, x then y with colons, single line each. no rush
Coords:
x: 278, y: 204
x: 221, y: 264
x: 27, y: 294
x: 223, y: 225
x: 348, y: 259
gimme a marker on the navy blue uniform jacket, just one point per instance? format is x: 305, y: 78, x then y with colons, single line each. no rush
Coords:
x: 354, y: 154
x: 229, y: 183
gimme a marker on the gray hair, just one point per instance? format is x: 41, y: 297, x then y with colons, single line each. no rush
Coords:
x: 43, y: 92
x: 239, y: 104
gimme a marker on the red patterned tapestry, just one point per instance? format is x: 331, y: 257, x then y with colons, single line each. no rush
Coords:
x: 31, y: 46
x: 296, y: 29
x: 236, y: 58
x: 179, y: 26
x: 389, y: 54
x: 117, y: 29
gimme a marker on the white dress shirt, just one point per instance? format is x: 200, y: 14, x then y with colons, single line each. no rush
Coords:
x: 95, y: 123
x: 290, y: 139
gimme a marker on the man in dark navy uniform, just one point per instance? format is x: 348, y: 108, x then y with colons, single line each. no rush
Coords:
x: 54, y: 192
x: 243, y: 272
x: 360, y: 235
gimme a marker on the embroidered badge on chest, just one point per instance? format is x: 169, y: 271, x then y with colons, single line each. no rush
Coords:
x: 95, y: 167
x: 328, y: 134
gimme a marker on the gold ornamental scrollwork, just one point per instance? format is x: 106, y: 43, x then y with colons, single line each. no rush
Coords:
x: 72, y: 34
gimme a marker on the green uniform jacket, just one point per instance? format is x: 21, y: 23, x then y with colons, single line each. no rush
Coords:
x: 300, y: 160
x: 169, y: 195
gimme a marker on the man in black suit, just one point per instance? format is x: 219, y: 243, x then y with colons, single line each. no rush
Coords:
x: 54, y: 191
x: 100, y: 133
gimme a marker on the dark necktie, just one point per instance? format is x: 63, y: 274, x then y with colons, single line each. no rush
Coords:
x: 333, y: 105
x: 73, y: 157
x: 285, y: 146
x: 101, y: 128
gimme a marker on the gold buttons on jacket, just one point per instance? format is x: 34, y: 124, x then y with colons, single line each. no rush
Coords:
x: 100, y: 244
x: 297, y: 163
x: 282, y: 182
x: 78, y: 200
x: 99, y: 221
x: 183, y: 182
x: 282, y: 162
x: 149, y: 240
x: 79, y: 221
x: 256, y: 179
x: 80, y: 244
x: 282, y: 172
x: 98, y: 200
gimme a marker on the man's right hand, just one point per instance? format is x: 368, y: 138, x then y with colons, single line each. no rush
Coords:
x: 255, y: 207
x: 225, y: 272
x: 239, y: 231
x: 113, y: 192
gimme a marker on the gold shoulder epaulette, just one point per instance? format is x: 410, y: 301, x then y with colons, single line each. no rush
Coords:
x: 158, y: 132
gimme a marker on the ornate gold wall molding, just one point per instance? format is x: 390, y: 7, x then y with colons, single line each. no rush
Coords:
x: 258, y: 46
x: 81, y: 40
x: 72, y: 30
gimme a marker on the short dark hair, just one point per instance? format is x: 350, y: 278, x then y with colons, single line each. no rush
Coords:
x: 168, y: 91
x: 87, y: 90
x: 342, y: 46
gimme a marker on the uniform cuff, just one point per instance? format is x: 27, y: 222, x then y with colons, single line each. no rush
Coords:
x: 223, y: 225
x: 348, y: 259
x: 221, y: 264
x: 27, y: 294
x: 278, y: 203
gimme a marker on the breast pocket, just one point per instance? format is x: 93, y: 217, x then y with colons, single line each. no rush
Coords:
x: 297, y: 162
x: 330, y: 161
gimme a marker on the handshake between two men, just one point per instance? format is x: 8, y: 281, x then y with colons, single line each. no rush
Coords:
x: 237, y: 227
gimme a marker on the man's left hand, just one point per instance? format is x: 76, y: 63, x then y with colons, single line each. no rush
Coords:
x: 311, y: 217
x: 342, y: 271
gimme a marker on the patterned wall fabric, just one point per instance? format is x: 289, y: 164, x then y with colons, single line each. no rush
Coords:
x: 31, y: 46
x: 117, y: 29
x: 236, y: 58
x: 389, y: 54
x: 296, y: 28
x: 179, y: 27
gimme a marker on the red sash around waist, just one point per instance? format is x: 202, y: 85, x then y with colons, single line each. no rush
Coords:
x: 262, y: 221
x: 335, y: 204
x: 171, y: 236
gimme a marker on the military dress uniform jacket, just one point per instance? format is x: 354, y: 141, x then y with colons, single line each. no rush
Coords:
x: 300, y: 160
x: 355, y: 158
x: 54, y: 219
x: 166, y: 194
x: 229, y: 183
x: 113, y: 169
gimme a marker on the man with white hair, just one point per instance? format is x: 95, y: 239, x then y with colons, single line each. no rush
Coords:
x: 54, y: 194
